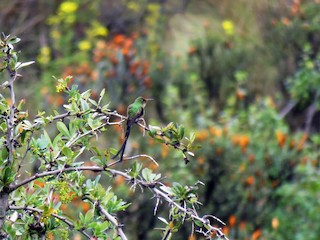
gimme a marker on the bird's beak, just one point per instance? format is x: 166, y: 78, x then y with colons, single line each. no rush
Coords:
x: 149, y: 99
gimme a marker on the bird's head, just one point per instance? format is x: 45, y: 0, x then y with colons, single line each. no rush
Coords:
x: 143, y: 100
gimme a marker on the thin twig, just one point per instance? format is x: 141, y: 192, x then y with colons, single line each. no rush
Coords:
x: 61, y: 218
x: 109, y: 217
x: 10, y: 122
x: 311, y: 111
x: 134, y: 157
x: 74, y: 140
x: 114, y: 172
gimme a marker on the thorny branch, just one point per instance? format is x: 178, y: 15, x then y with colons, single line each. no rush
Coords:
x: 157, y: 192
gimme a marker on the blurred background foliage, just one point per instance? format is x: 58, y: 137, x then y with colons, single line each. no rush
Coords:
x: 244, y: 76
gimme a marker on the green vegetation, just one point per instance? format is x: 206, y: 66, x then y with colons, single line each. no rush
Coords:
x: 240, y: 105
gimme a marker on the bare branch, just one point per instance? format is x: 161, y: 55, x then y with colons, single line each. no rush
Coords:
x: 134, y: 157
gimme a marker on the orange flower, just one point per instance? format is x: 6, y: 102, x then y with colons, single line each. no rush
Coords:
x: 244, y: 141
x: 145, y: 68
x: 39, y: 183
x: 152, y: 166
x: 275, y: 223
x: 286, y: 21
x: 94, y: 75
x: 125, y: 51
x: 256, y: 234
x: 202, y: 135
x: 218, y: 132
x: 165, y: 151
x: 250, y: 180
x: 119, y: 180
x: 151, y: 141
x: 235, y: 139
x: 49, y: 236
x: 232, y: 220
x: 101, y: 45
x: 292, y: 144
x: 63, y: 207
x: 226, y: 230
x: 59, y: 100
x: 302, y: 141
x: 118, y: 39
x: 212, y: 130
x: 192, y: 237
x: 85, y: 206
x: 281, y: 138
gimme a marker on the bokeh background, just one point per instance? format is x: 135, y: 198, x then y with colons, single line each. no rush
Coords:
x: 243, y: 76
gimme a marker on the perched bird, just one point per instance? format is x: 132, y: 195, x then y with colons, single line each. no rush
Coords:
x: 135, y: 111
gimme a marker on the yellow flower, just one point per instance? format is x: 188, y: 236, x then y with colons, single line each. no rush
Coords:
x: 68, y: 7
x: 153, y: 7
x: 44, y: 55
x: 84, y: 45
x: 101, y: 31
x: 228, y: 27
x: 97, y: 29
x: 62, y: 83
x: 55, y: 34
x: 132, y: 5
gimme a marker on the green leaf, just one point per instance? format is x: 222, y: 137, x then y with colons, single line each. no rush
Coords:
x: 146, y: 173
x: 14, y: 40
x: 152, y: 132
x: 67, y: 152
x: 63, y: 129
x: 47, y: 137
x: 84, y: 105
x: 21, y: 65
x: 103, y: 91
x: 4, y: 154
x: 181, y: 132
x: 89, y: 215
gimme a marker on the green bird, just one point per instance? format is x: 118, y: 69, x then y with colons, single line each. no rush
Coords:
x: 135, y: 111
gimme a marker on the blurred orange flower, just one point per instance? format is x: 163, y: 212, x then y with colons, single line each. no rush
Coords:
x: 118, y: 39
x: 275, y: 223
x: 202, y: 135
x: 232, y: 220
x: 302, y: 141
x: 256, y: 234
x: 250, y: 180
x: 281, y: 138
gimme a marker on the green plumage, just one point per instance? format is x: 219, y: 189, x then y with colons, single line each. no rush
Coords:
x: 134, y: 112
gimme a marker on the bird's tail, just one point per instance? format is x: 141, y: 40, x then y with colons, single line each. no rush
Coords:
x: 123, y: 147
